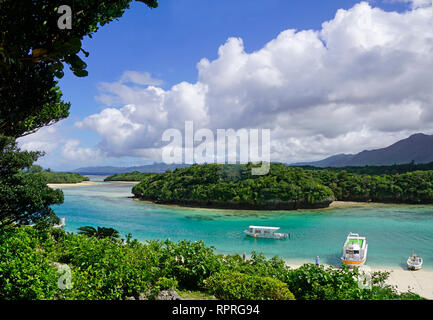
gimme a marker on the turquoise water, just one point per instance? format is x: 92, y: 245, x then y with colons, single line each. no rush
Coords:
x: 392, y: 231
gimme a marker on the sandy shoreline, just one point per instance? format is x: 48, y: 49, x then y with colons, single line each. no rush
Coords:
x: 348, y: 204
x: 420, y: 282
x: 86, y: 184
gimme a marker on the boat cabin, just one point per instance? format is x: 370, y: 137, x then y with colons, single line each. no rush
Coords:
x: 263, y: 230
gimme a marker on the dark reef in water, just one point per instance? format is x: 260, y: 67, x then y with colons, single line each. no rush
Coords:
x: 270, y: 205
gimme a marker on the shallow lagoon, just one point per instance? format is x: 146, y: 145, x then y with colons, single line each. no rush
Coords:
x: 392, y: 231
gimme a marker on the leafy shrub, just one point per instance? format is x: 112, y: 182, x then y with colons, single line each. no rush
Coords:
x: 113, y: 269
x: 189, y: 262
x: 239, y: 286
x: 310, y: 282
x: 258, y: 265
x: 103, y: 269
x: 163, y: 283
x: 25, y: 271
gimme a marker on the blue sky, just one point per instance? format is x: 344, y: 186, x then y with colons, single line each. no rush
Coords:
x: 168, y: 42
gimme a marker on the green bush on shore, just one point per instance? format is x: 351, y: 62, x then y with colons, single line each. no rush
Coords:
x: 231, y: 285
x: 121, y: 269
x: 61, y: 177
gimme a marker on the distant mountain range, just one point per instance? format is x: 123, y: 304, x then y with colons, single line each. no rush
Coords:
x: 417, y: 148
x: 155, y: 168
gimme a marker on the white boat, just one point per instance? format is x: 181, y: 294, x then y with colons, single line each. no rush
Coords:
x: 61, y: 224
x: 265, y: 232
x: 414, y: 262
x: 354, y: 250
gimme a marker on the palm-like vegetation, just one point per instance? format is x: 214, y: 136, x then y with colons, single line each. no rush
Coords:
x: 99, y: 232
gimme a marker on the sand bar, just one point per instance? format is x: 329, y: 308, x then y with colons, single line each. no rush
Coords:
x: 86, y: 184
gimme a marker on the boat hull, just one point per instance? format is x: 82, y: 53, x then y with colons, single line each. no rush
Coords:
x: 414, y: 266
x: 264, y: 236
x: 353, y: 263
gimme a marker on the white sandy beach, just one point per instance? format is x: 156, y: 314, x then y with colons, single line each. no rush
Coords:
x: 85, y: 184
x: 420, y: 282
x: 72, y: 185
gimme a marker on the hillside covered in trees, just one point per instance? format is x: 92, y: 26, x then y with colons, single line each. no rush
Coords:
x: 233, y: 186
x: 284, y: 188
x: 378, y: 170
x: 55, y: 177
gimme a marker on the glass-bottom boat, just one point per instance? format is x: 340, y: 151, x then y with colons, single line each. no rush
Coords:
x: 265, y: 232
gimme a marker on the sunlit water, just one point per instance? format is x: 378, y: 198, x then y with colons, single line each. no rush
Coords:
x: 392, y: 231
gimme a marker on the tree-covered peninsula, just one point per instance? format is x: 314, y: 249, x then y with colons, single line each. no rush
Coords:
x: 233, y: 186
x: 54, y: 177
x: 283, y: 188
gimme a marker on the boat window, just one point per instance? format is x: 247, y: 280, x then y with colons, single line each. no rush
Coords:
x: 356, y: 252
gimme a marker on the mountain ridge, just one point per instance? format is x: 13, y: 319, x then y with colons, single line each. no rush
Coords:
x: 417, y: 148
x: 158, y: 167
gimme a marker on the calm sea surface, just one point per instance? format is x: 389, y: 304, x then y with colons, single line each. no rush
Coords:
x: 392, y: 231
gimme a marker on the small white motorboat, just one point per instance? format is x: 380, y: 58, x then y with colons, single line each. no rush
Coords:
x: 414, y: 262
x: 266, y: 232
x: 61, y: 224
x: 354, y: 250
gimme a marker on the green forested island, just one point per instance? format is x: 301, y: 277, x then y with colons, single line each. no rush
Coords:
x: 55, y: 177
x: 377, y: 170
x: 233, y: 186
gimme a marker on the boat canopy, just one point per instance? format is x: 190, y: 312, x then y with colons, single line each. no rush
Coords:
x: 264, y: 228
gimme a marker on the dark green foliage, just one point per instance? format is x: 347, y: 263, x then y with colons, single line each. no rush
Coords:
x: 129, y: 176
x: 238, y: 286
x: 258, y: 265
x: 33, y: 51
x: 56, y: 177
x: 233, y: 186
x: 99, y: 232
x: 311, y: 282
x: 115, y: 269
x: 378, y: 170
x: 25, y: 271
x: 189, y: 262
x: 104, y: 269
x: 24, y: 198
x: 412, y: 187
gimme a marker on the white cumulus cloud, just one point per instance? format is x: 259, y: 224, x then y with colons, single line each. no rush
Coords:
x: 362, y: 81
